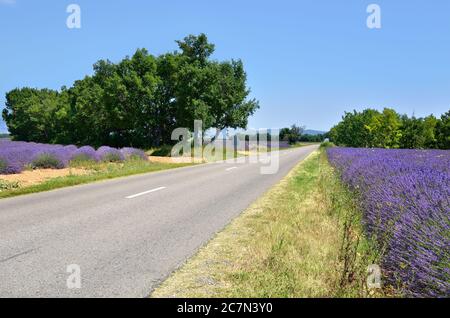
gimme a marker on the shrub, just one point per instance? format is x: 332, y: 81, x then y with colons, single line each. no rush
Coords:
x: 47, y: 161
x: 133, y: 153
x: 327, y: 144
x: 108, y: 154
x: 15, y: 156
x: 70, y: 148
x: 85, y: 153
x: 10, y: 163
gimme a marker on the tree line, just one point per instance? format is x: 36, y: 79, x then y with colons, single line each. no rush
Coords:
x: 296, y: 134
x: 137, y: 101
x: 387, y: 129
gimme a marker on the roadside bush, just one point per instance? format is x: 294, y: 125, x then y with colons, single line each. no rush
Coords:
x: 84, y: 154
x: 326, y: 144
x: 133, y: 154
x: 108, y: 154
x: 70, y: 148
x: 47, y: 161
x: 15, y: 156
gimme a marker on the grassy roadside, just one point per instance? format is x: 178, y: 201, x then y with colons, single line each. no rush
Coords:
x: 98, y: 172
x: 302, y: 239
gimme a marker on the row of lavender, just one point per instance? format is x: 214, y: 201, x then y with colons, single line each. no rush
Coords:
x: 405, y: 198
x: 15, y: 156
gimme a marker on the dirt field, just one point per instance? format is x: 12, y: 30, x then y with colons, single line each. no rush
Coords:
x: 32, y: 177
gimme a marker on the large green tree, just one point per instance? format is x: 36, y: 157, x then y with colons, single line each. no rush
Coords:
x: 418, y: 133
x: 35, y: 115
x: 354, y: 130
x: 383, y: 129
x: 387, y: 129
x: 137, y: 101
x: 443, y: 131
x: 292, y: 134
x: 216, y: 92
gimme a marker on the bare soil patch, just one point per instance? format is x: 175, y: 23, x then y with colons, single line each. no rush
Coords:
x: 32, y: 177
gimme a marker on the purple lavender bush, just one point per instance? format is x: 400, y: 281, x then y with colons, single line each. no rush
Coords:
x: 133, y: 153
x: 86, y: 153
x: 71, y: 148
x: 16, y: 155
x: 405, y: 199
x: 108, y: 154
x: 47, y: 161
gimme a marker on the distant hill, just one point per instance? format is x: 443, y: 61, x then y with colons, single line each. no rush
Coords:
x: 314, y: 132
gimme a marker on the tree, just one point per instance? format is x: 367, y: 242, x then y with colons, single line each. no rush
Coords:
x: 384, y: 129
x: 443, y: 131
x: 214, y: 92
x: 87, y: 118
x: 227, y: 95
x: 196, y: 48
x: 295, y: 134
x: 429, y: 131
x: 284, y: 134
x: 292, y: 135
x: 137, y: 101
x: 34, y: 115
x: 418, y: 133
x: 354, y: 130
x: 387, y: 129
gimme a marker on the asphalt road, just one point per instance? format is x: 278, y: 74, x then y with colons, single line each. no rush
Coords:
x: 126, y: 235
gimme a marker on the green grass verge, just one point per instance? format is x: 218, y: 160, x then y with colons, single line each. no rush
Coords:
x: 301, y: 239
x: 100, y: 171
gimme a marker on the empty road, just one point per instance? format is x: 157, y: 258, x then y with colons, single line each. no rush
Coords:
x: 125, y: 235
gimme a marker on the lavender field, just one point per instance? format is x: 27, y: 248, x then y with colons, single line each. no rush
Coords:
x: 405, y: 200
x: 16, y: 156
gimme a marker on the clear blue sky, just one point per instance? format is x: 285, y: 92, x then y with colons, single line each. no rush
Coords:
x: 307, y: 61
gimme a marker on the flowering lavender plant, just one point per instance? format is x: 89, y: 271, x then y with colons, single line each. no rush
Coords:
x: 16, y: 155
x: 133, y: 153
x: 405, y: 198
x: 109, y: 154
x: 86, y: 153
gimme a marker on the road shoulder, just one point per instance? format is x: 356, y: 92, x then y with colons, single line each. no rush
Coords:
x: 287, y: 244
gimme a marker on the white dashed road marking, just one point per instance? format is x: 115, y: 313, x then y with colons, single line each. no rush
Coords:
x: 144, y: 193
